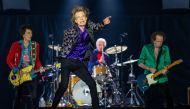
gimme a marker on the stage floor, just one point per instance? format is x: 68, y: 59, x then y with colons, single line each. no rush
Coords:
x: 118, y: 107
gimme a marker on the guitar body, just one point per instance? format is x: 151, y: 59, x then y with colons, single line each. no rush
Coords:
x: 16, y: 79
x: 150, y: 79
x: 142, y: 83
x: 27, y: 74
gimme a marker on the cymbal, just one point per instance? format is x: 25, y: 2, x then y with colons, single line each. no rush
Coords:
x: 48, y: 65
x: 57, y: 48
x: 116, y: 49
x: 128, y: 62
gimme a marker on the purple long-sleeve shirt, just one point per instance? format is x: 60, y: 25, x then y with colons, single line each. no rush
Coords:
x: 81, y: 46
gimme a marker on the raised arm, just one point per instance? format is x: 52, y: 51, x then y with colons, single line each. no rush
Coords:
x: 99, y: 26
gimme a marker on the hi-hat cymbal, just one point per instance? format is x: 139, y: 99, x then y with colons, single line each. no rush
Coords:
x: 116, y: 49
x: 127, y: 62
x: 57, y: 48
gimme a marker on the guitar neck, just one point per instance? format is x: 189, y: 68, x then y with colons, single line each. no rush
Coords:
x: 161, y: 71
x: 38, y: 70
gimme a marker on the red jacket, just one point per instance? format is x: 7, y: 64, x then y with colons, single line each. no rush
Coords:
x: 14, y: 55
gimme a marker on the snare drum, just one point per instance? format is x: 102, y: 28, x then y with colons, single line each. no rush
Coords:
x: 100, y: 72
x: 81, y: 93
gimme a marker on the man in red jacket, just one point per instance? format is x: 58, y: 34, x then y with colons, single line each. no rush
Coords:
x: 22, y: 54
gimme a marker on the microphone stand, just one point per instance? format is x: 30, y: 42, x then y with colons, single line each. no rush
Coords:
x: 121, y: 43
x: 54, y: 71
x: 123, y: 35
x: 52, y: 43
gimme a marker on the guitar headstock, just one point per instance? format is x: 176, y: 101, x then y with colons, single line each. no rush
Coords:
x: 178, y: 61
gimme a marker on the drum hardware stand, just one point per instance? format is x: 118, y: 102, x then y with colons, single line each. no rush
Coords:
x: 116, y: 94
x: 122, y: 37
x: 132, y: 91
x: 68, y: 100
x: 117, y: 91
x: 53, y: 84
x: 105, y: 100
x: 115, y: 67
x: 116, y: 61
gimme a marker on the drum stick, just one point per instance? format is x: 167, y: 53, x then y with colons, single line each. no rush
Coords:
x: 102, y: 51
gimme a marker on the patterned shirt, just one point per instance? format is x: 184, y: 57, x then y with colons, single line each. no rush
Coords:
x: 25, y: 58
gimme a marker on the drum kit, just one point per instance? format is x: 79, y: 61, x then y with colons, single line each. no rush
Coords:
x: 108, y: 86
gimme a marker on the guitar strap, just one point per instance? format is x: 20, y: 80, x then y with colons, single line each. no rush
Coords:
x: 33, y: 53
x: 158, y: 58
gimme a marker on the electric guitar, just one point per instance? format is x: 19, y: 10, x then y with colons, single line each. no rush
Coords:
x: 27, y: 74
x: 144, y: 81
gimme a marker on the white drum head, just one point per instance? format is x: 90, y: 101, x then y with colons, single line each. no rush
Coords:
x: 81, y: 93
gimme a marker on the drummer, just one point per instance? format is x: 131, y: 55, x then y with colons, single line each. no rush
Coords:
x: 98, y: 57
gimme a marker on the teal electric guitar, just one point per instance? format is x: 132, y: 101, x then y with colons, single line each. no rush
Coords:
x: 145, y: 81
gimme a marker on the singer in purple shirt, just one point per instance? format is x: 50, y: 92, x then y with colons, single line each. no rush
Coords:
x: 78, y: 43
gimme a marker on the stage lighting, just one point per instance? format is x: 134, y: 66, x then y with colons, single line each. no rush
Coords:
x: 175, y: 4
x: 16, y: 4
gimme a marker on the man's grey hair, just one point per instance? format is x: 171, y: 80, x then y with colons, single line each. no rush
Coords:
x: 101, y: 40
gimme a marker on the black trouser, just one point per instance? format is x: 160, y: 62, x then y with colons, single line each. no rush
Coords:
x: 25, y: 96
x: 157, y: 95
x: 78, y: 68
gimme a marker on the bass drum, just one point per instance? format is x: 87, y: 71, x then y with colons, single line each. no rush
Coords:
x: 81, y: 93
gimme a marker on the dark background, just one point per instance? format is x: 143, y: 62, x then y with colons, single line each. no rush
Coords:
x: 139, y: 18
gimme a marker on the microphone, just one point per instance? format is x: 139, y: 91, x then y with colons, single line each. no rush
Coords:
x: 50, y: 36
x: 124, y: 34
x: 130, y: 57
